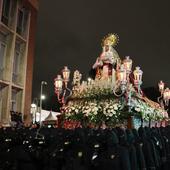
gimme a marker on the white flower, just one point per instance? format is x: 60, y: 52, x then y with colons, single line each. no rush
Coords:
x: 87, y: 107
x: 137, y: 109
x: 115, y: 107
x: 114, y: 113
x: 108, y: 111
x: 96, y: 108
x: 72, y: 108
x: 95, y: 113
x: 110, y: 115
x: 88, y: 111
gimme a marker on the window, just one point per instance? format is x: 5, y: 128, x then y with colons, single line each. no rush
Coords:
x: 14, y: 101
x: 0, y: 101
x: 22, y: 21
x: 2, y: 56
x: 2, y: 53
x: 16, y: 62
x: 6, y: 11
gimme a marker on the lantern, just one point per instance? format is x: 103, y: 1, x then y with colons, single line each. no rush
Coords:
x: 169, y: 94
x: 89, y: 81
x: 127, y: 62
x: 58, y: 83
x: 66, y: 74
x: 166, y: 96
x: 122, y: 75
x: 161, y: 86
x: 137, y: 76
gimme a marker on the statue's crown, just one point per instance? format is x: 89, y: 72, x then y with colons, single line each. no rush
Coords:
x: 110, y: 39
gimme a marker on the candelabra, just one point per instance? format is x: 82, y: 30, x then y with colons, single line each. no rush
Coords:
x: 61, y: 86
x: 123, y: 85
x: 163, y: 99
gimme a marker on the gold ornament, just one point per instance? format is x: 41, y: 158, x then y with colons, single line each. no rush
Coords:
x: 110, y: 39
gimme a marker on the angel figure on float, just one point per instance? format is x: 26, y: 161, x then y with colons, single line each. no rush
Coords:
x: 76, y: 80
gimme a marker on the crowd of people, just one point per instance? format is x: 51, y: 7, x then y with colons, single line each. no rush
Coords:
x: 85, y: 149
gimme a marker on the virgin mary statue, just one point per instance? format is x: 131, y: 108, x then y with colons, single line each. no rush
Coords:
x: 109, y: 60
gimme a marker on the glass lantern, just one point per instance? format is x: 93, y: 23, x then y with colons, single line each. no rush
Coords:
x: 66, y: 74
x: 161, y: 86
x: 166, y: 96
x: 137, y: 76
x: 122, y: 75
x: 58, y: 83
x: 127, y: 62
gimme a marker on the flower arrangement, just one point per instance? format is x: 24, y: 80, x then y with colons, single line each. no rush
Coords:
x: 147, y: 112
x: 94, y: 102
x: 111, y: 111
x: 93, y: 89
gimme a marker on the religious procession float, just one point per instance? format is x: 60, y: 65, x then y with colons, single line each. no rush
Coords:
x: 113, y: 98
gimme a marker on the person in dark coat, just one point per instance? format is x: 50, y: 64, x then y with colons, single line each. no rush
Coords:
x: 124, y: 150
x: 132, y: 150
x: 115, y: 156
x: 138, y: 145
x: 147, y: 149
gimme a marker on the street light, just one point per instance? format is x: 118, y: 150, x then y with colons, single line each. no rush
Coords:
x: 43, y: 97
x: 41, y: 92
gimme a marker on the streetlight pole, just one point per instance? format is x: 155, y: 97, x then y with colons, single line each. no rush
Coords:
x: 41, y: 92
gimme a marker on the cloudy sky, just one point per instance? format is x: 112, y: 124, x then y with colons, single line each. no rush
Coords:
x: 70, y: 33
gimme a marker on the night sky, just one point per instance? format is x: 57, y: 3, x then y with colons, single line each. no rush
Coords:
x: 70, y: 33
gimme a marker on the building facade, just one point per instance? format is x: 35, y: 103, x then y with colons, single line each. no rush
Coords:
x: 17, y: 41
